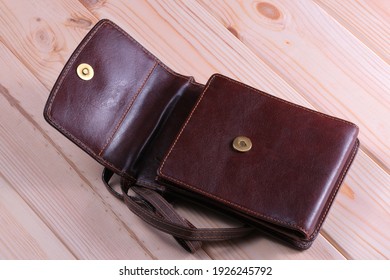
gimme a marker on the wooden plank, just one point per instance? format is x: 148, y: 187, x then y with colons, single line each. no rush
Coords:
x: 367, y: 20
x: 328, y: 66
x: 187, y: 55
x: 33, y: 30
x: 198, y: 45
x: 22, y: 233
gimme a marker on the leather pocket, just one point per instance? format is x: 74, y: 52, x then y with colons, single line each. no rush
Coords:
x: 289, y: 176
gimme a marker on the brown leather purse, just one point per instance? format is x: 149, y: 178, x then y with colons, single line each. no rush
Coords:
x: 273, y: 165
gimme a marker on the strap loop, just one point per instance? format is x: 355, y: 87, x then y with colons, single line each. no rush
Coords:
x: 166, y: 219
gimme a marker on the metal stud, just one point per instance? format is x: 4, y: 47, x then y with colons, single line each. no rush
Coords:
x: 242, y: 144
x: 85, y: 71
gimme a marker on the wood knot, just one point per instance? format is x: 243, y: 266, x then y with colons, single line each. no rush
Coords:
x: 78, y: 22
x: 268, y: 10
x: 347, y: 191
x: 42, y: 36
x: 233, y: 31
x: 44, y: 39
x: 93, y: 3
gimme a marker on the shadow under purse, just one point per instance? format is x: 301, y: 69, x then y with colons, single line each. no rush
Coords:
x: 273, y: 165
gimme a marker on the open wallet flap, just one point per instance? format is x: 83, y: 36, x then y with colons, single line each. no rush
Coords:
x: 118, y: 114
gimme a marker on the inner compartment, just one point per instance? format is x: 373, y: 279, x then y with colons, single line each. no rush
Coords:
x: 151, y: 124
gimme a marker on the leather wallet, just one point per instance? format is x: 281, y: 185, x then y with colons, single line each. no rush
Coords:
x: 273, y: 165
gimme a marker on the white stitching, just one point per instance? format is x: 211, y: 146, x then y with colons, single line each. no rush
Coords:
x: 131, y: 103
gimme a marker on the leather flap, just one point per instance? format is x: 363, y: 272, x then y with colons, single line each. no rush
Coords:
x: 290, y: 175
x: 115, y: 115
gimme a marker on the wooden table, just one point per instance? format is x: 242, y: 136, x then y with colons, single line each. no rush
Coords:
x: 329, y: 55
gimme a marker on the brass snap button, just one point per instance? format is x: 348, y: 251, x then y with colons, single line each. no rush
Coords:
x: 242, y: 144
x: 85, y: 71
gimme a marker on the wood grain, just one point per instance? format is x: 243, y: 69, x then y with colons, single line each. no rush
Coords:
x: 32, y: 31
x: 23, y: 235
x: 79, y: 215
x: 345, y: 79
x: 366, y: 19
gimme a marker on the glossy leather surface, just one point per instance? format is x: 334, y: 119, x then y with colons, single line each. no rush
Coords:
x: 290, y: 175
x: 118, y: 113
x: 89, y: 110
x: 132, y: 115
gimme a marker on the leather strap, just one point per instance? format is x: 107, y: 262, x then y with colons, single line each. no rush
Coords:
x: 154, y: 203
x: 151, y: 207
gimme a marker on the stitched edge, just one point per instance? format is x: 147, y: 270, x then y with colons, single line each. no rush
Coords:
x: 70, y: 64
x: 189, y: 78
x: 234, y: 81
x: 335, y: 191
x: 253, y: 90
x: 287, y: 102
x: 132, y: 101
x: 53, y: 95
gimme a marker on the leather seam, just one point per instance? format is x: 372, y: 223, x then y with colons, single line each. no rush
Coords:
x: 90, y: 151
x: 236, y: 205
x: 191, y: 79
x: 69, y: 65
x: 54, y: 94
x: 286, y: 102
x: 252, y: 90
x: 132, y: 101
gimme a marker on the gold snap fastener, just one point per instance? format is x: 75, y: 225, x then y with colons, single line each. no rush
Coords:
x: 242, y: 144
x: 85, y: 71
